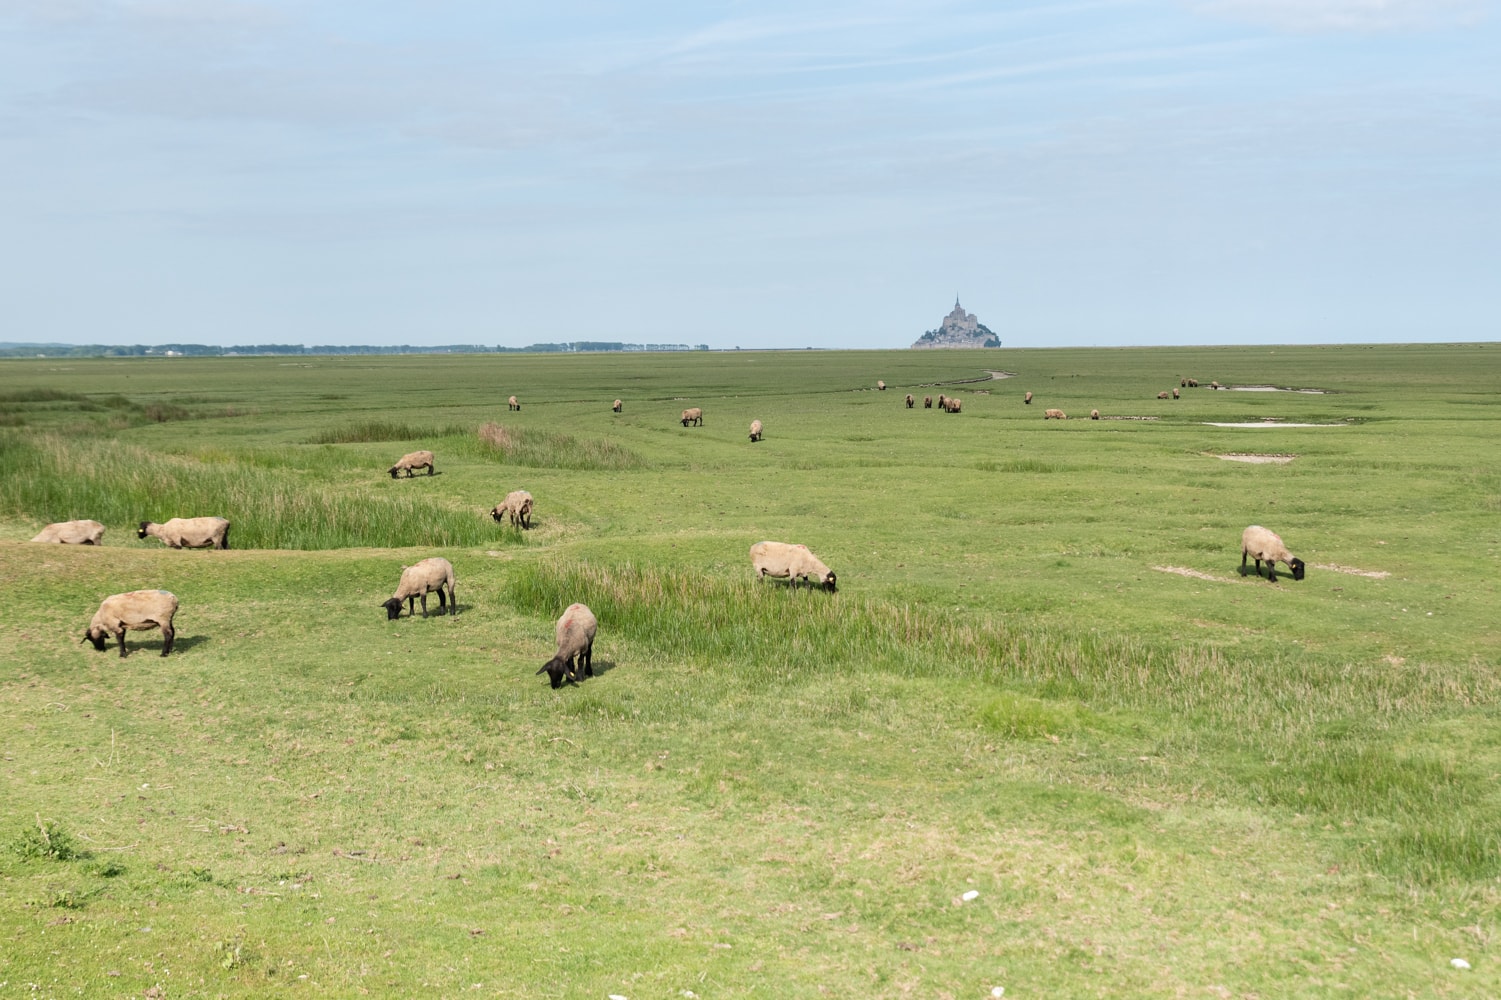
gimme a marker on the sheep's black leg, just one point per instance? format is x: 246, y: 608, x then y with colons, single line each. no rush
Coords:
x: 424, y: 604
x: 412, y: 607
x: 587, y: 659
x: 225, y: 544
x: 167, y: 636
x: 121, y: 636
x: 442, y: 603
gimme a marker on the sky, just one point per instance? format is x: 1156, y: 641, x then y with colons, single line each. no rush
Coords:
x: 757, y: 175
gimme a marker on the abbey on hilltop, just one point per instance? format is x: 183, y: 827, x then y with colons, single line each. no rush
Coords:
x: 959, y: 329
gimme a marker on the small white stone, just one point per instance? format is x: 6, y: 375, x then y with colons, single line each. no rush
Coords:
x: 615, y: 996
x: 998, y: 991
x: 1459, y: 963
x: 972, y: 894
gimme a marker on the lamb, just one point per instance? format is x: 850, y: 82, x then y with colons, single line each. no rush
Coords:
x: 1054, y: 415
x: 518, y: 504
x: 1163, y: 395
x: 411, y: 461
x: 136, y: 611
x: 910, y: 401
x: 880, y: 385
x: 575, y: 656
x: 927, y: 402
x: 1027, y: 399
x: 189, y: 532
x: 952, y: 404
x: 1094, y: 414
x: 511, y: 404
x: 792, y: 561
x: 418, y: 581
x: 693, y: 415
x: 616, y: 407
x: 1263, y: 545
x: 755, y: 431
x: 72, y: 533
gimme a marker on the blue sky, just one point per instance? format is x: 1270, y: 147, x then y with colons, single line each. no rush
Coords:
x: 1102, y: 172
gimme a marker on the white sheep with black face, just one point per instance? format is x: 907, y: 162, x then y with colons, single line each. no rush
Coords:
x: 693, y: 415
x: 755, y: 430
x: 1264, y: 545
x: 518, y: 506
x: 574, y: 659
x: 795, y: 562
x: 419, y: 580
x: 135, y: 611
x: 412, y: 461
x: 189, y: 532
x: 72, y: 533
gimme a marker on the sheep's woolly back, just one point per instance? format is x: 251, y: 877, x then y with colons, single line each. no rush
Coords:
x: 1054, y: 415
x: 575, y: 630
x: 1264, y: 544
x: 137, y: 611
x: 189, y: 532
x: 793, y: 561
x: 72, y: 533
x: 424, y: 578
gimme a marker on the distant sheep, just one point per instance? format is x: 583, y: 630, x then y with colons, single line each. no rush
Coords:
x: 1215, y: 385
x: 616, y: 407
x: 574, y: 659
x: 1263, y: 545
x: 72, y: 533
x: 189, y: 532
x: 1193, y: 383
x: 418, y: 581
x: 412, y: 461
x: 755, y: 431
x: 1027, y: 399
x: 693, y: 415
x: 910, y: 401
x: 136, y: 611
x: 1163, y: 395
x: 792, y: 561
x: 1175, y: 393
x: 927, y: 402
x: 1054, y: 415
x: 880, y: 385
x: 518, y: 506
x: 941, y: 399
x: 1094, y: 414
x: 511, y: 404
x: 1183, y: 383
x: 952, y: 404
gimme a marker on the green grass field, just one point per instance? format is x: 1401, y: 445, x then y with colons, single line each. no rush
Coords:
x: 1044, y: 678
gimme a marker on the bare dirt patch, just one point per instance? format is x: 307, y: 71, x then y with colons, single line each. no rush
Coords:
x: 1257, y: 459
x: 1185, y: 571
x: 1374, y: 574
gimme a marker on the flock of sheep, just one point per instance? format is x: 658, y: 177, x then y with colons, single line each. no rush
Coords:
x: 140, y: 610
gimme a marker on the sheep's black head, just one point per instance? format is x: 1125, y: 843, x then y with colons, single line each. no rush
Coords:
x: 392, y: 471
x: 555, y: 669
x: 1297, y: 566
x: 96, y: 636
x: 829, y: 582
x: 498, y: 514
x: 393, y: 608
x: 141, y: 531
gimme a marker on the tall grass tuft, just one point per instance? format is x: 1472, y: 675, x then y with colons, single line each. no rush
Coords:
x: 54, y: 478
x: 385, y: 430
x: 553, y: 450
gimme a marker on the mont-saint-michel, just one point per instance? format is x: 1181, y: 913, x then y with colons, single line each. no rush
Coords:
x: 959, y: 329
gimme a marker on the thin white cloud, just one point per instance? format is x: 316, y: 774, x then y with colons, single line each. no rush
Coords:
x: 1312, y: 16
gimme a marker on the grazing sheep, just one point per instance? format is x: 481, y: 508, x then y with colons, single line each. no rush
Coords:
x: 412, y: 461
x: 927, y: 402
x: 616, y: 407
x: 1175, y: 393
x: 575, y: 656
x: 72, y: 533
x: 518, y: 505
x: 1163, y: 395
x: 1094, y: 414
x: 693, y: 415
x: 418, y: 581
x: 880, y: 385
x: 792, y: 561
x: 1193, y: 383
x: 910, y: 401
x: 1027, y: 399
x: 189, y: 532
x: 755, y: 433
x: 1215, y: 385
x: 511, y: 404
x: 1054, y: 415
x: 941, y: 399
x: 1183, y: 383
x: 136, y: 611
x: 952, y: 404
x: 1264, y: 546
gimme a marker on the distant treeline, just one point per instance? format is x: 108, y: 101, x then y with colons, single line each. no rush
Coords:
x: 210, y: 351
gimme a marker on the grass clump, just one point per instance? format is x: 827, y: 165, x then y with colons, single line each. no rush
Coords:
x: 46, y: 840
x: 371, y: 431
x: 554, y: 450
